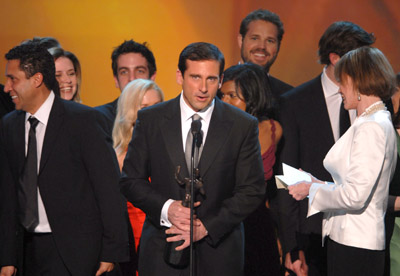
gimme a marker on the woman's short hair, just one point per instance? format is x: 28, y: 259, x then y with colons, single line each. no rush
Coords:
x: 369, y: 70
x: 128, y: 106
x: 256, y: 91
x: 57, y: 52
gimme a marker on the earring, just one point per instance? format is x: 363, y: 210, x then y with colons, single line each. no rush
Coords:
x: 359, y: 96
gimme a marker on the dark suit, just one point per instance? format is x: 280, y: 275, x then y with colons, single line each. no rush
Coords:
x: 78, y: 180
x: 278, y: 87
x: 109, y: 111
x: 231, y: 169
x: 6, y: 104
x: 307, y: 137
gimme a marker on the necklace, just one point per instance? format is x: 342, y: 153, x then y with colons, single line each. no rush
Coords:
x: 375, y: 107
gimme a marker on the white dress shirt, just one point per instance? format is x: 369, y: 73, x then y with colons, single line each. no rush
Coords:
x: 42, y: 115
x: 362, y: 163
x: 333, y: 101
x: 186, y: 121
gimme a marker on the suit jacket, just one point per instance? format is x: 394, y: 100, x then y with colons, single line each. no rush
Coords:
x: 232, y: 173
x: 307, y: 137
x: 362, y: 163
x: 109, y: 112
x: 78, y: 181
x: 6, y: 104
x: 278, y: 87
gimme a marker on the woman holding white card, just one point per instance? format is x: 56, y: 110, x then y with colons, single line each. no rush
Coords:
x: 361, y: 163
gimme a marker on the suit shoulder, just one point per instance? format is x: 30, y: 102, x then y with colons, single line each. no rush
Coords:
x: 308, y: 87
x: 280, y: 86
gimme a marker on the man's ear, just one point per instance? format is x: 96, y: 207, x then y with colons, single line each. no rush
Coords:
x: 153, y: 77
x: 333, y: 58
x: 220, y: 81
x: 116, y: 82
x: 179, y: 77
x: 240, y: 40
x: 37, y: 79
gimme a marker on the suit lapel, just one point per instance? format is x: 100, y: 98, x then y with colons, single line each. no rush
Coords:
x: 54, y: 124
x: 219, y: 128
x: 171, y: 131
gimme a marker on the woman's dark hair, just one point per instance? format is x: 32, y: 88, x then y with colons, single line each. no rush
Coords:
x: 396, y: 116
x: 255, y: 89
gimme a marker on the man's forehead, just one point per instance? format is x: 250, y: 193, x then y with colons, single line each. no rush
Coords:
x: 12, y: 65
x: 207, y: 65
x: 261, y: 25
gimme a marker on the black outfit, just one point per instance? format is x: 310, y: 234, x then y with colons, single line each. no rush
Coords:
x: 278, y: 87
x: 6, y: 104
x: 109, y: 111
x: 232, y: 173
x: 78, y: 180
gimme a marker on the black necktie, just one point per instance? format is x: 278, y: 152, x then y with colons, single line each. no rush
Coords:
x: 344, y: 119
x: 27, y: 192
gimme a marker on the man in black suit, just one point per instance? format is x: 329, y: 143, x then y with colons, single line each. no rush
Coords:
x: 313, y: 118
x: 6, y: 104
x: 259, y: 39
x: 60, y: 207
x: 130, y: 60
x: 230, y: 167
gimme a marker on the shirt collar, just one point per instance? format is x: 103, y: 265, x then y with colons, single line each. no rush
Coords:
x: 43, y: 113
x: 330, y: 88
x: 187, y: 112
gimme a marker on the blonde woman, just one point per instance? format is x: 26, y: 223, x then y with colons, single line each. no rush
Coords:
x: 136, y: 95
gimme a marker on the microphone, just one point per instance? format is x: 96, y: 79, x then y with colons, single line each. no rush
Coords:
x: 196, y: 127
x: 196, y: 132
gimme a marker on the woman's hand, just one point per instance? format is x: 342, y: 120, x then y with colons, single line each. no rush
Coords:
x: 300, y: 190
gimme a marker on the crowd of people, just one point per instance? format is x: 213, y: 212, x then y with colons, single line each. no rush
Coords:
x: 102, y: 191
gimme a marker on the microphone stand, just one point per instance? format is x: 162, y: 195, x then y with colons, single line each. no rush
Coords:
x: 197, y: 140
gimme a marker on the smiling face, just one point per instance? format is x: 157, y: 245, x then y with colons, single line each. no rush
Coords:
x: 66, y: 77
x: 260, y: 44
x: 200, y: 83
x: 131, y: 66
x: 349, y: 94
x: 230, y: 96
x: 21, y: 89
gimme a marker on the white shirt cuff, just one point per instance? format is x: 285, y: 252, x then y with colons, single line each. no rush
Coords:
x: 164, y: 214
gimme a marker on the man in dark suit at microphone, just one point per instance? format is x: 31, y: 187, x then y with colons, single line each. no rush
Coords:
x: 230, y: 168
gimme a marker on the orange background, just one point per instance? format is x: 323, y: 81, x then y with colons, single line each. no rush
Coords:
x: 91, y: 29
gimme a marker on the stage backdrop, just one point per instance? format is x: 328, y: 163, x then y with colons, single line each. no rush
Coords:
x: 91, y: 29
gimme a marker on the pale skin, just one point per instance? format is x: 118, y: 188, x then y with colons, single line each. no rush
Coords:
x: 131, y: 66
x: 28, y: 95
x: 200, y: 83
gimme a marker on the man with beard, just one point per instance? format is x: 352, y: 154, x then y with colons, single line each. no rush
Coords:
x: 259, y: 39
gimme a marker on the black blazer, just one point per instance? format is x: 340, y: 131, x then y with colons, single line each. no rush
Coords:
x: 78, y: 180
x: 109, y: 112
x: 278, y: 87
x: 6, y: 104
x: 230, y: 166
x: 307, y: 137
